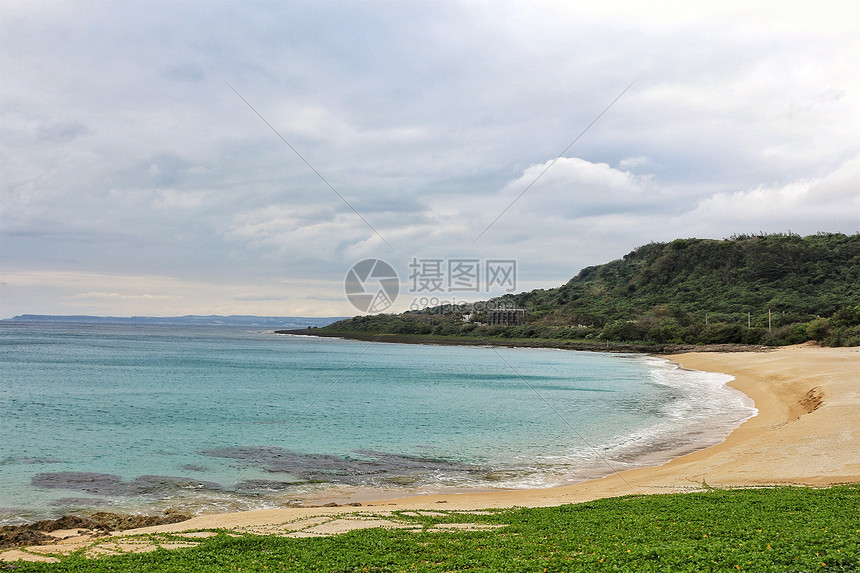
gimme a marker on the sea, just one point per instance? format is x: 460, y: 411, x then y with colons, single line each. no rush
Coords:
x: 146, y: 418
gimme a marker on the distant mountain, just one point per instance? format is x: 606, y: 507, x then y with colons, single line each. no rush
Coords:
x: 210, y: 320
x: 749, y: 289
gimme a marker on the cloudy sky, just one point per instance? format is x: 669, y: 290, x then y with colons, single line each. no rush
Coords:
x: 136, y: 180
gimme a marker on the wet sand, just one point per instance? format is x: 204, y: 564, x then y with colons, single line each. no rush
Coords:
x: 807, y: 432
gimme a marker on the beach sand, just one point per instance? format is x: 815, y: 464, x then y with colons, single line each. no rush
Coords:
x: 806, y: 432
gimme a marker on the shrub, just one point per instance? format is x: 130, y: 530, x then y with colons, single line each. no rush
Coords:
x: 818, y: 329
x: 848, y: 316
x: 754, y: 335
x: 624, y: 330
x: 668, y: 330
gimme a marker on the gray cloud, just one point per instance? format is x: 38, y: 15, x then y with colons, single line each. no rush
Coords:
x: 127, y: 155
x: 62, y: 132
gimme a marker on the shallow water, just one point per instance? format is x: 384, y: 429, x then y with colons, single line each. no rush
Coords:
x: 142, y: 418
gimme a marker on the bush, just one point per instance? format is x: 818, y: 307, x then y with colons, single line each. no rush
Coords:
x: 844, y: 337
x: 852, y: 337
x: 818, y: 329
x: 797, y: 333
x: 722, y: 333
x: 789, y: 334
x: 754, y: 335
x: 626, y: 330
x: 668, y: 330
x: 848, y: 316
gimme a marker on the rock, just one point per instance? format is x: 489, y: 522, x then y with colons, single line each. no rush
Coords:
x: 23, y: 538
x: 120, y: 522
x: 96, y: 525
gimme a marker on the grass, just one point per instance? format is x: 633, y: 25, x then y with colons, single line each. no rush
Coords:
x: 786, y: 529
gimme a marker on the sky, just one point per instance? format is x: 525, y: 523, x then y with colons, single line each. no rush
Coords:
x: 172, y: 158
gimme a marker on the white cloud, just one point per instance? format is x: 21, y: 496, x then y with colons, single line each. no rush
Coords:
x: 631, y: 163
x: 804, y: 206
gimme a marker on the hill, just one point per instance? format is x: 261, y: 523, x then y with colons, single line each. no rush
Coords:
x: 749, y: 289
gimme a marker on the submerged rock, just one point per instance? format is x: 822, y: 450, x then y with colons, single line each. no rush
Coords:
x: 110, y: 484
x: 89, y: 482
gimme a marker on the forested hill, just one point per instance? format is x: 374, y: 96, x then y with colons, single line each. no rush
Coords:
x: 814, y: 275
x: 753, y: 289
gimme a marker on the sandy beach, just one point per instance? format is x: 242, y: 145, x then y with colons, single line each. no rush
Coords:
x: 807, y: 431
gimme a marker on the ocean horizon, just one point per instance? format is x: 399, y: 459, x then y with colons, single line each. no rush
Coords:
x: 142, y: 418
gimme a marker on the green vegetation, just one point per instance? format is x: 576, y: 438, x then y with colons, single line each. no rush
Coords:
x: 784, y: 529
x: 749, y: 289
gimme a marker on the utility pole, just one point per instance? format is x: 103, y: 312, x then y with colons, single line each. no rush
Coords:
x: 748, y: 321
x: 768, y: 320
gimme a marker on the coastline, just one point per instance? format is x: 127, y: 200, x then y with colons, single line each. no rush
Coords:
x: 590, y: 346
x: 806, y: 432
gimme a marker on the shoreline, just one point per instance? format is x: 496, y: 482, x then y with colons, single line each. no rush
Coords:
x: 560, y: 344
x: 684, y: 419
x: 806, y: 432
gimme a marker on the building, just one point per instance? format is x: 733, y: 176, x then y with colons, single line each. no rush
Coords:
x: 507, y: 317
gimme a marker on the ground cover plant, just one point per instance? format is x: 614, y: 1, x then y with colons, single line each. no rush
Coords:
x: 785, y: 529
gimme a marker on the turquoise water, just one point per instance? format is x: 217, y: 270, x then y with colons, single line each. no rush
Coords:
x: 143, y: 418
